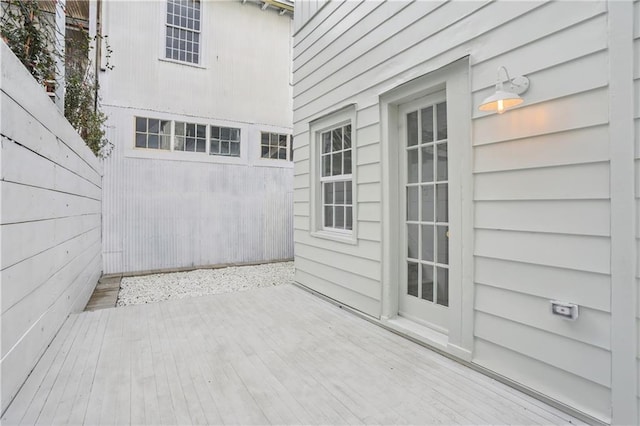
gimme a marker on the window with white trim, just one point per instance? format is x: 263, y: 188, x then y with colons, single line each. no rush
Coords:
x: 152, y: 133
x: 274, y: 145
x: 224, y: 141
x: 336, y: 184
x: 190, y: 137
x: 183, y: 31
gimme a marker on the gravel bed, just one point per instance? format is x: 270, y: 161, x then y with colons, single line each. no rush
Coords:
x: 180, y: 285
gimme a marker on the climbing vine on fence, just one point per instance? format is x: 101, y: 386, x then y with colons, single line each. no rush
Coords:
x: 30, y: 32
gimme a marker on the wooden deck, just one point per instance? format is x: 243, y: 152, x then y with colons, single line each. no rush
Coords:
x: 269, y: 356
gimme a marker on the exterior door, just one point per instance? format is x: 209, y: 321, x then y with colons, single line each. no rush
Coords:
x: 424, y: 285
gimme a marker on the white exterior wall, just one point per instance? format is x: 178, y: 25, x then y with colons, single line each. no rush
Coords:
x: 49, y: 223
x: 167, y: 210
x: 305, y: 9
x: 541, y: 173
x: 636, y: 86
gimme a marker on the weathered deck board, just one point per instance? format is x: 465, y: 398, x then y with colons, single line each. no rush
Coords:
x: 268, y: 356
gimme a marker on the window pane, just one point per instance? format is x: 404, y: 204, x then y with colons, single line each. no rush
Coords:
x: 412, y: 128
x: 442, y: 202
x: 201, y: 132
x: 179, y: 129
x: 273, y: 152
x: 165, y: 142
x: 427, y: 164
x: 224, y: 147
x: 339, y: 188
x: 234, y: 134
x: 336, y: 139
x: 141, y: 124
x: 441, y: 112
x: 165, y: 127
x: 336, y: 164
x: 225, y: 133
x: 412, y: 241
x: 153, y: 141
x: 191, y: 145
x: 328, y: 193
x: 427, y: 125
x: 179, y: 143
x: 412, y: 166
x: 412, y: 279
x: 442, y: 161
x: 191, y: 129
x: 282, y: 154
x: 200, y: 145
x: 443, y: 245
x: 235, y: 148
x: 264, y: 139
x: 348, y: 199
x: 154, y: 126
x: 265, y: 152
x: 346, y: 156
x: 427, y: 282
x: 442, y: 278
x: 282, y: 140
x: 326, y: 142
x: 141, y: 140
x: 427, y: 203
x: 427, y: 242
x: 328, y: 217
x: 326, y: 165
x: 347, y: 136
x: 412, y: 203
x: 339, y: 217
x: 349, y: 218
x: 214, y: 147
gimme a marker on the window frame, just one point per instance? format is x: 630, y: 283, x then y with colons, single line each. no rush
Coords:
x: 337, y: 119
x: 287, y: 146
x: 166, y: 26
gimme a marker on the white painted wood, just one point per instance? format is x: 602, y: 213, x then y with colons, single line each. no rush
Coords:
x: 50, y: 223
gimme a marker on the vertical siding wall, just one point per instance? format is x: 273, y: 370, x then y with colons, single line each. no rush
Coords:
x: 50, y: 223
x: 175, y: 209
x: 305, y: 9
x: 540, y: 173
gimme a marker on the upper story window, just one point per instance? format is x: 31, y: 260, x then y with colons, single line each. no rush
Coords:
x: 183, y: 31
x: 274, y: 145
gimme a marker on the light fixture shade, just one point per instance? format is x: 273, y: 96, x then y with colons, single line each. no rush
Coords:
x: 500, y: 101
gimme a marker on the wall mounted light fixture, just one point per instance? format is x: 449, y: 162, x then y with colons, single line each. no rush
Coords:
x: 505, y: 98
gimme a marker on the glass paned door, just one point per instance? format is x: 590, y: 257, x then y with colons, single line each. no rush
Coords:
x: 425, y: 287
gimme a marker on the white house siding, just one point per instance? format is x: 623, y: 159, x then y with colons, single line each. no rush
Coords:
x: 173, y: 209
x: 305, y: 9
x: 540, y: 173
x: 49, y: 223
x: 636, y: 85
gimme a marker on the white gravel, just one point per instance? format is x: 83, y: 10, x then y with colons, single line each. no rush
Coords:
x: 180, y: 285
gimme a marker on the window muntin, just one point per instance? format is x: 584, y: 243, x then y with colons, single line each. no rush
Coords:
x: 336, y: 183
x: 224, y: 141
x: 273, y: 145
x: 152, y: 133
x: 427, y: 204
x: 190, y: 137
x: 182, y: 41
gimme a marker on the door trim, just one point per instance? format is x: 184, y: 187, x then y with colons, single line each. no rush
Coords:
x: 454, y: 79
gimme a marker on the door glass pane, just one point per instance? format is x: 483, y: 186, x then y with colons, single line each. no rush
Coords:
x: 442, y: 202
x: 412, y: 203
x: 412, y: 241
x: 427, y: 242
x: 412, y: 279
x: 412, y: 166
x: 441, y: 112
x: 427, y: 282
x: 427, y: 125
x: 442, y: 286
x: 412, y: 128
x: 427, y: 164
x: 443, y: 245
x: 428, y: 196
x: 442, y: 161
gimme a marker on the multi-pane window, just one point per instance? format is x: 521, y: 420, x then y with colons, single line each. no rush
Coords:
x: 273, y: 145
x: 336, y: 178
x: 152, y: 133
x: 190, y: 137
x: 224, y: 141
x: 427, y: 204
x: 183, y: 31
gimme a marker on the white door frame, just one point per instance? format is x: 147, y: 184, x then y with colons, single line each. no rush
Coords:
x: 454, y: 79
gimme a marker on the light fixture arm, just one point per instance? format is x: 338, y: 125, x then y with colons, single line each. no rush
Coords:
x: 518, y: 84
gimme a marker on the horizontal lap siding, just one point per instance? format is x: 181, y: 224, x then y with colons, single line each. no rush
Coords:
x: 540, y: 172
x: 50, y: 223
x: 636, y: 84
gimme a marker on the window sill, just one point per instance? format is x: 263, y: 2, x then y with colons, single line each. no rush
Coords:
x: 189, y: 64
x: 336, y: 236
